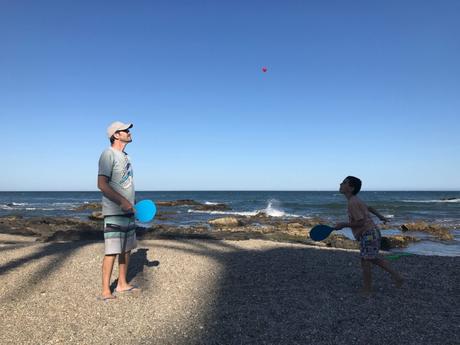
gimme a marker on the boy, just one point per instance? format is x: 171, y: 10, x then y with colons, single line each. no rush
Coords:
x: 365, y: 231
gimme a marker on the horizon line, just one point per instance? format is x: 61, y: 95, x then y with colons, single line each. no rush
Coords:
x: 233, y: 190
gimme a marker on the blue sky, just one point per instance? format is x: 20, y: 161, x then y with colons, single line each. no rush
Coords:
x: 368, y: 88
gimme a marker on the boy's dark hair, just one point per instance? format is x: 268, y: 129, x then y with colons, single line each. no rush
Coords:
x: 355, y: 183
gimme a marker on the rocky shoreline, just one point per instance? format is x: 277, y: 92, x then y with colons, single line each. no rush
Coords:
x: 259, y: 226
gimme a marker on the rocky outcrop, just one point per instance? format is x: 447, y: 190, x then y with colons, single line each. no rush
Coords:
x: 211, y: 207
x: 397, y: 241
x: 89, y: 206
x: 436, y: 230
x: 96, y: 215
x: 183, y: 202
x: 234, y: 228
x: 193, y: 204
x: 225, y: 221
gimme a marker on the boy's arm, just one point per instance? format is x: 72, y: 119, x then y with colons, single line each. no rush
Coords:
x: 379, y: 216
x: 356, y: 224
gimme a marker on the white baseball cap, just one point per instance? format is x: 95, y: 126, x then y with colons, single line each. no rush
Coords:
x: 117, y: 126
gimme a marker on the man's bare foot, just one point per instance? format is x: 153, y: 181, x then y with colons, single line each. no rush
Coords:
x: 107, y: 296
x: 127, y: 288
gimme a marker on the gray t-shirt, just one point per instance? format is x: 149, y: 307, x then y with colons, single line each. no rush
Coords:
x: 117, y: 167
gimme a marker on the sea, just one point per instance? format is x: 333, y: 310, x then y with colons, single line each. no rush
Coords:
x: 435, y: 207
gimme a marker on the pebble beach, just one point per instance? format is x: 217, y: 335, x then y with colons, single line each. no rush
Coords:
x: 222, y: 292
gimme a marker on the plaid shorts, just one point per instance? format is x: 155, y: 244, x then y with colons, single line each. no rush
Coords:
x: 369, y: 244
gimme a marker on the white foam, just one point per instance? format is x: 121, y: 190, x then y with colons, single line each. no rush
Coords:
x: 5, y: 207
x: 211, y: 203
x: 225, y: 212
x: 18, y: 203
x: 272, y: 210
x: 432, y: 201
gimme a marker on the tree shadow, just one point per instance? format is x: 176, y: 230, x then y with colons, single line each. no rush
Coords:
x: 295, y: 295
x: 59, y: 252
x: 138, y: 260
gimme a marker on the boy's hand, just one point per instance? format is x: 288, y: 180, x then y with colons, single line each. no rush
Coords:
x: 340, y: 226
x: 384, y: 220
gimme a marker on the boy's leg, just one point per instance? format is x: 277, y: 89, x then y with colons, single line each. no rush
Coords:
x: 367, y: 275
x: 107, y: 267
x: 384, y: 264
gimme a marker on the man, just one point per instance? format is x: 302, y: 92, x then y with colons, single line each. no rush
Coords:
x: 115, y: 180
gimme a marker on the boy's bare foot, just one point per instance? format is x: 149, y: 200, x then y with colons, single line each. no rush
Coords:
x: 399, y: 282
x: 366, y: 292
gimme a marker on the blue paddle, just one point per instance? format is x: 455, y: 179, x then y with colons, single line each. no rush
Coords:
x: 320, y: 232
x: 145, y: 210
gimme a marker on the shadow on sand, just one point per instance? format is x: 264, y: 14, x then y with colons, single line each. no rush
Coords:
x: 298, y: 295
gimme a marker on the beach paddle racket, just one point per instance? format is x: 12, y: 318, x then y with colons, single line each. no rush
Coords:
x: 145, y: 210
x: 320, y: 232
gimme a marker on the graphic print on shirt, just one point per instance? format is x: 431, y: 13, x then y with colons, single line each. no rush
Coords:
x: 127, y: 178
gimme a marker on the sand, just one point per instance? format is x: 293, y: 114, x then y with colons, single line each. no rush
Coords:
x: 222, y: 292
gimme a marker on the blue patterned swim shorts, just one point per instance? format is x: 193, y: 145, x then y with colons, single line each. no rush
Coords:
x: 369, y: 244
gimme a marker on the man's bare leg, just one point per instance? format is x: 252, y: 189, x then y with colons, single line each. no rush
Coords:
x: 107, y: 267
x: 123, y: 263
x: 384, y: 264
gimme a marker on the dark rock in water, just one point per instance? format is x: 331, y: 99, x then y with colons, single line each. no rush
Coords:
x: 396, y: 241
x: 184, y: 202
x: 195, y: 204
x: 89, y: 206
x: 449, y: 198
x: 214, y: 207
x: 404, y: 228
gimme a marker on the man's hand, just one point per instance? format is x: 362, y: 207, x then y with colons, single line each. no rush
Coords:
x: 127, y: 207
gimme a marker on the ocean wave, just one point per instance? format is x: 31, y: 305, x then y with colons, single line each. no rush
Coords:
x: 273, y: 209
x: 456, y: 200
x: 211, y: 203
x: 253, y: 213
x: 6, y: 207
x: 12, y: 205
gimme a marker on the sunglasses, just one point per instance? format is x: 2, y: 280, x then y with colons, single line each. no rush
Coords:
x: 123, y: 130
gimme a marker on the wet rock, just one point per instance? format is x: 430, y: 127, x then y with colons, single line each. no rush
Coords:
x: 225, y: 221
x: 96, y: 215
x: 341, y: 241
x: 439, y: 231
x: 214, y: 207
x: 183, y: 202
x: 396, y: 241
x: 89, y: 206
